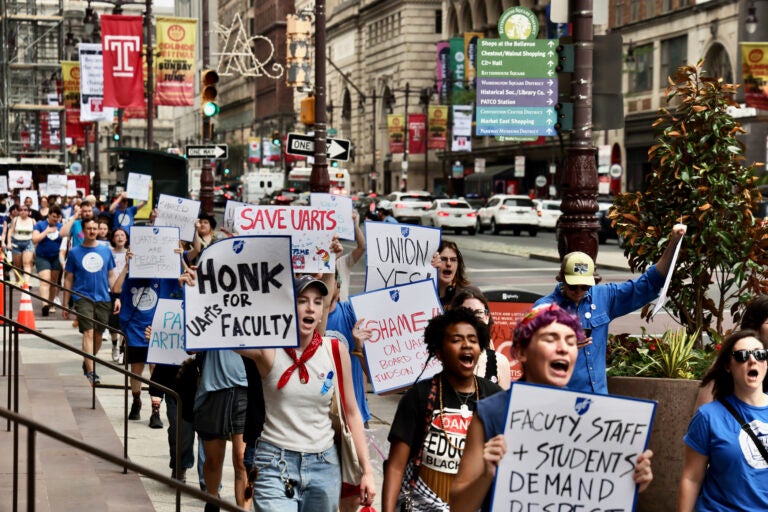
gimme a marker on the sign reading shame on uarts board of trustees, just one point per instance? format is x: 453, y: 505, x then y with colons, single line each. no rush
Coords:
x: 243, y: 296
x: 311, y: 230
x: 399, y: 254
x: 397, y: 316
x: 570, y: 451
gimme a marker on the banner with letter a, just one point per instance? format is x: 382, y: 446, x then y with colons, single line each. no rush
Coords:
x: 176, y: 62
x: 122, y: 44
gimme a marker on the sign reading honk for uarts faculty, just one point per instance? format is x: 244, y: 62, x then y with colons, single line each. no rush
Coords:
x: 243, y: 296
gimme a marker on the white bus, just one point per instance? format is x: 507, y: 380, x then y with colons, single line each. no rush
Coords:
x: 298, y: 179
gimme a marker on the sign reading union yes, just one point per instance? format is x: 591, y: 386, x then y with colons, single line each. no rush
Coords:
x: 243, y: 296
x: 570, y: 451
x: 396, y: 352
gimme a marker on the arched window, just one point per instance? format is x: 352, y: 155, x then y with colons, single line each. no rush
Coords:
x: 717, y: 64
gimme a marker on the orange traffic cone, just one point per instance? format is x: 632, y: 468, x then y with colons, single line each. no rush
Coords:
x: 26, y: 314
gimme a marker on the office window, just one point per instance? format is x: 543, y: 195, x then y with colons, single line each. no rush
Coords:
x: 673, y: 55
x: 618, y: 14
x: 438, y: 21
x: 641, y: 79
x: 634, y: 11
x: 650, y: 8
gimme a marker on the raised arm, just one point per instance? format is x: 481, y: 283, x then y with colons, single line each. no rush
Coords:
x: 359, y: 249
x: 678, y: 231
x: 67, y: 227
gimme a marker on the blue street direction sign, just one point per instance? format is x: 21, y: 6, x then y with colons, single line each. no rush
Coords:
x: 516, y: 92
x: 499, y: 58
x: 515, y: 121
x: 304, y: 145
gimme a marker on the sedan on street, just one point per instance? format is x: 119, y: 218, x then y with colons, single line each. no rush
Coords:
x: 455, y: 214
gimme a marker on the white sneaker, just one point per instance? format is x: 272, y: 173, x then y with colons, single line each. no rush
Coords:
x: 115, y: 353
x: 57, y: 301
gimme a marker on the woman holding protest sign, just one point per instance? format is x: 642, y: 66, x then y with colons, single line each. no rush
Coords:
x: 450, y: 271
x: 546, y: 343
x: 726, y: 461
x: 428, y: 433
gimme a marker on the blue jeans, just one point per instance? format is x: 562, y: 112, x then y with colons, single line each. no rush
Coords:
x: 187, y: 436
x: 316, y: 476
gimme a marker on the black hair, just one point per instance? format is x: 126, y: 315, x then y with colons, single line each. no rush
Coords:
x: 718, y: 373
x: 434, y: 334
x: 755, y: 314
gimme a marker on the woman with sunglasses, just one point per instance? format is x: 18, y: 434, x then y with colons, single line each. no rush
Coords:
x: 546, y: 341
x: 597, y: 305
x: 724, y: 469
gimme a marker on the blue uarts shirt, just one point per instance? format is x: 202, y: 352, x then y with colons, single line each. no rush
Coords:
x: 91, y: 266
x: 737, y: 474
x: 138, y: 300
x: 49, y: 246
x: 601, y: 304
x: 124, y: 218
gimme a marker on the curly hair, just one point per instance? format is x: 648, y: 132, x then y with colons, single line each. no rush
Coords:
x: 461, y: 274
x: 718, y: 374
x: 434, y: 334
x: 541, y: 316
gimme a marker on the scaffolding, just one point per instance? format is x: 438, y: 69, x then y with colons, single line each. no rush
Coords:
x: 31, y: 115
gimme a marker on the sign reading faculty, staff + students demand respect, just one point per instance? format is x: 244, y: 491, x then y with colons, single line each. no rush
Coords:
x: 243, y: 296
x: 399, y: 254
x: 570, y: 451
x: 396, y: 352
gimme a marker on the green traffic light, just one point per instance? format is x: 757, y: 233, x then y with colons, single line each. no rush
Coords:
x: 116, y: 137
x: 210, y: 109
x: 334, y: 163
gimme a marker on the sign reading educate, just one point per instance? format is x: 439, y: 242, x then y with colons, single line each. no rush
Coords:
x: 570, y: 451
x: 166, y: 345
x: 396, y: 352
x: 243, y: 296
x: 311, y: 230
x: 399, y: 254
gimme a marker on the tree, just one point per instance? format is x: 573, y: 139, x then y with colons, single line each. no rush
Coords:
x: 698, y: 178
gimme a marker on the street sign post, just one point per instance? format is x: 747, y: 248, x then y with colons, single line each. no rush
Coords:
x: 216, y: 151
x: 304, y: 145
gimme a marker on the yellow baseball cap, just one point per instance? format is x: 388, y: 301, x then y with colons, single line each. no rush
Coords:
x: 578, y: 268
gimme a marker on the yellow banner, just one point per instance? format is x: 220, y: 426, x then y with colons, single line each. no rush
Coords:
x: 438, y: 123
x: 754, y: 62
x: 176, y: 62
x: 396, y: 129
x: 70, y: 73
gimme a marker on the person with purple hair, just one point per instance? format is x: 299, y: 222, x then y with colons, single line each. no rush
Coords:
x: 546, y: 341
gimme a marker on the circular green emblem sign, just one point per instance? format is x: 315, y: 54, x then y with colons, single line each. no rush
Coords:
x: 518, y: 23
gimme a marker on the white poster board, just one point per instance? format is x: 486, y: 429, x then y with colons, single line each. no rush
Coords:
x: 311, y: 231
x: 24, y: 194
x: 396, y: 352
x: 228, y: 225
x: 343, y: 207
x: 583, y: 459
x: 138, y: 186
x: 71, y: 188
x: 166, y: 346
x: 179, y: 212
x: 398, y: 254
x: 57, y: 185
x: 19, y: 179
x: 243, y: 296
x: 154, y: 255
x: 3, y: 184
x: 42, y: 189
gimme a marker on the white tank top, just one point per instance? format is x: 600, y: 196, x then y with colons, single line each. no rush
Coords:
x: 297, y: 416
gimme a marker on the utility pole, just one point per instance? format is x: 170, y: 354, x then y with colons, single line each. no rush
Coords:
x: 206, y: 173
x: 318, y: 180
x: 577, y: 227
x: 404, y: 167
x: 150, y: 75
x: 373, y: 141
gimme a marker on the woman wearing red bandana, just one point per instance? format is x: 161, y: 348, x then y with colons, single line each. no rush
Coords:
x: 296, y: 460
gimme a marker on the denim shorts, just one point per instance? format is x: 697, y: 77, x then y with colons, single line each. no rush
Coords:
x: 20, y: 246
x: 316, y: 479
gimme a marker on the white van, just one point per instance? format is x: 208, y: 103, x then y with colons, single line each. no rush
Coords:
x: 260, y: 183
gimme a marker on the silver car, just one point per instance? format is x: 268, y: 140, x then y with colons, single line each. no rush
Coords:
x: 455, y: 214
x: 407, y: 207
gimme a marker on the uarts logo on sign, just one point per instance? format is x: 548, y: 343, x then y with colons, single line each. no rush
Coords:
x: 582, y: 405
x: 394, y: 295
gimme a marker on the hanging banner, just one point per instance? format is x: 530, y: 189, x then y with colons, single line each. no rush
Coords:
x: 122, y: 47
x: 438, y: 125
x: 470, y: 52
x: 254, y: 150
x: 416, y: 133
x: 70, y: 72
x: 92, y: 84
x: 396, y: 129
x: 140, y: 112
x: 176, y: 62
x: 754, y: 61
x: 462, y: 128
x: 457, y: 63
x: 443, y: 70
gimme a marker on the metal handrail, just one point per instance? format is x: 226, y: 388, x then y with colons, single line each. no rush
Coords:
x: 33, y: 427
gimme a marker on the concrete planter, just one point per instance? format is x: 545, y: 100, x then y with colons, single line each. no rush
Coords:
x: 676, y: 399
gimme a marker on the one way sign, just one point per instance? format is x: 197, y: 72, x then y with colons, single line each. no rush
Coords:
x: 217, y: 151
x: 304, y: 145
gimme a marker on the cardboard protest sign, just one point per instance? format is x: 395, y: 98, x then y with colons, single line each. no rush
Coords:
x: 179, y: 212
x: 243, y: 296
x: 343, y: 207
x: 570, y: 451
x: 311, y: 231
x: 154, y: 255
x: 19, y: 179
x: 166, y: 346
x: 57, y: 185
x: 228, y: 225
x: 396, y: 352
x: 137, y: 186
x: 24, y: 194
x: 399, y: 254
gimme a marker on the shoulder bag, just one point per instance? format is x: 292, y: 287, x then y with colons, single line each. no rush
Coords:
x: 746, y: 428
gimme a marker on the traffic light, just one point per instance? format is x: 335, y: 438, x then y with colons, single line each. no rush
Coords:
x: 276, y: 138
x: 307, y: 115
x: 116, y: 133
x: 208, y: 93
x: 226, y: 171
x: 334, y: 163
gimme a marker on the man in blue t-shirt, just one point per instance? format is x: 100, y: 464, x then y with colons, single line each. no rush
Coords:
x: 123, y: 216
x: 90, y: 273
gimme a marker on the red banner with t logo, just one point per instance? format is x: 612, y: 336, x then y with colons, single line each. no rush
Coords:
x: 121, y: 48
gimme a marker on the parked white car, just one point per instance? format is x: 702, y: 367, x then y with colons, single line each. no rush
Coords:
x: 407, y: 207
x: 504, y: 211
x: 548, y: 211
x: 456, y: 214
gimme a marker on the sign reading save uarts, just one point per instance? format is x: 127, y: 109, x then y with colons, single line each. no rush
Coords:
x: 243, y: 296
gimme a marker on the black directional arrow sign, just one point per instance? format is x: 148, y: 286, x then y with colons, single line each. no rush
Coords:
x: 217, y: 151
x: 304, y: 145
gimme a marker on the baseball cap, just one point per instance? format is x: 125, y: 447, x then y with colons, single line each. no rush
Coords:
x: 301, y: 283
x: 385, y: 205
x: 578, y: 268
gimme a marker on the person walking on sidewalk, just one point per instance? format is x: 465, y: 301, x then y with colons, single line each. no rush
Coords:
x: 596, y: 305
x: 22, y: 248
x: 47, y: 239
x: 123, y: 216
x: 90, y: 272
x: 73, y: 228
